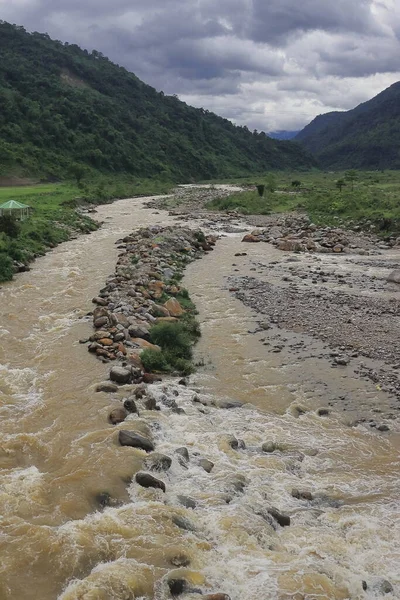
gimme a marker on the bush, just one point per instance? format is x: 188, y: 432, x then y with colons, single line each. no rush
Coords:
x: 9, y: 225
x: 154, y: 361
x: 6, y: 267
x: 173, y: 338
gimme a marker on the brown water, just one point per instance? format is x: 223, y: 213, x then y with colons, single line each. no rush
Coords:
x: 57, y: 452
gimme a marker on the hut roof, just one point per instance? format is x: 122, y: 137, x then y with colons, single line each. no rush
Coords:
x: 13, y: 204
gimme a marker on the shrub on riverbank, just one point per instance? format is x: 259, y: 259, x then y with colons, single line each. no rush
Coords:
x: 6, y: 267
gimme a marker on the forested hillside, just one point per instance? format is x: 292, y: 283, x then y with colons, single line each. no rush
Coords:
x: 61, y: 105
x: 367, y: 137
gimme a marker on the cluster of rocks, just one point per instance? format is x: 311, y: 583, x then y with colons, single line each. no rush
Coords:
x: 296, y: 233
x: 143, y: 291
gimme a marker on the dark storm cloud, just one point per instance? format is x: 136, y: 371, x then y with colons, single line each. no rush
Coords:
x: 267, y: 63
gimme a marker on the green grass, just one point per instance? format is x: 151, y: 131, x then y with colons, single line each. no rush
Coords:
x: 375, y: 197
x: 54, y: 217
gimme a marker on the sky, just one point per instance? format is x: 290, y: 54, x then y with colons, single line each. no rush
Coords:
x: 267, y: 64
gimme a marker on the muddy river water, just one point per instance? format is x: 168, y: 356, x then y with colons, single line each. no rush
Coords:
x: 58, y: 453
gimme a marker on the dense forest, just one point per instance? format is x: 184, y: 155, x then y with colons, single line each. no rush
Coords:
x: 367, y: 137
x: 62, y: 105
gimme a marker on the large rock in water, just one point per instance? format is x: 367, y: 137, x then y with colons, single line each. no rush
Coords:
x: 135, y: 440
x: 394, y: 276
x: 120, y: 375
x: 146, y: 480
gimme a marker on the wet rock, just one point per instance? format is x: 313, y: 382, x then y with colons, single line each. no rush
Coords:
x: 183, y: 523
x: 323, y: 412
x: 183, y: 453
x: 183, y: 382
x: 233, y: 442
x: 281, y: 518
x: 107, y: 387
x: 120, y: 375
x: 383, y: 586
x: 148, y: 481
x: 139, y: 391
x: 117, y: 415
x: 177, y: 586
x: 216, y: 597
x: 228, y: 404
x: 383, y: 428
x: 103, y: 499
x: 187, y: 501
x: 251, y: 238
x: 100, y: 301
x: 157, y: 462
x: 206, y: 464
x: 100, y: 322
x: 130, y: 405
x: 236, y: 483
x: 301, y: 494
x: 135, y: 440
x: 268, y: 447
x: 150, y: 403
x: 180, y: 560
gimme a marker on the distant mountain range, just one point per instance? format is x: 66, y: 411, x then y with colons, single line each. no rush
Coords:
x: 61, y: 105
x: 366, y: 137
x: 282, y: 134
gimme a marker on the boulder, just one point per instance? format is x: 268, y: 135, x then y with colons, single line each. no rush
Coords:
x: 206, y: 464
x: 120, y: 375
x: 100, y: 322
x: 394, y: 276
x: 135, y: 440
x: 251, y: 238
x: 268, y: 447
x: 151, y: 378
x: 145, y: 345
x: 117, y: 415
x: 148, y: 481
x: 107, y: 387
x: 187, y: 501
x: 174, y: 308
x: 157, y: 462
x: 282, y: 519
x: 216, y: 597
x: 130, y: 405
x: 301, y: 494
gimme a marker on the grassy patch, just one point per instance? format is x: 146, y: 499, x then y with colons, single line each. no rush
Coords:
x: 372, y: 196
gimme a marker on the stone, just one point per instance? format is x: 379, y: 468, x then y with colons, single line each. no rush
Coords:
x: 268, y: 447
x: 229, y: 404
x: 138, y: 331
x: 183, y: 523
x: 301, y: 494
x: 216, y: 597
x: 187, y: 501
x: 174, y: 308
x: 394, y: 276
x: 184, y: 452
x: 180, y: 560
x: 282, y: 519
x: 135, y: 440
x: 157, y: 462
x: 120, y: 375
x: 150, y: 403
x: 145, y: 345
x: 130, y: 405
x: 251, y: 238
x: 106, y: 342
x: 107, y: 387
x: 206, y: 464
x: 117, y: 415
x: 177, y: 586
x: 100, y: 322
x: 148, y: 481
x: 383, y: 587
x: 323, y: 412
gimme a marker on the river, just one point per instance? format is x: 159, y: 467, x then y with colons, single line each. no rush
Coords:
x: 58, y: 453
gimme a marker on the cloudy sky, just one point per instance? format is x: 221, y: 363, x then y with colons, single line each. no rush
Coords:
x: 267, y: 64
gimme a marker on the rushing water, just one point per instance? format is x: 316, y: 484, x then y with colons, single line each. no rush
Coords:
x: 57, y: 452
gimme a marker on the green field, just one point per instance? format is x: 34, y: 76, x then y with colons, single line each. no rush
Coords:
x: 372, y: 196
x: 54, y: 217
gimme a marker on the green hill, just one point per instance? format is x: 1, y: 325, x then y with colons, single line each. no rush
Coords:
x: 367, y: 137
x: 61, y: 105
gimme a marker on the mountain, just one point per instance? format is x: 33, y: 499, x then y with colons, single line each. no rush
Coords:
x: 282, y: 134
x: 366, y: 137
x: 61, y: 105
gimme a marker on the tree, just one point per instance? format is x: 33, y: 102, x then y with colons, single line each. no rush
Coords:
x: 340, y: 183
x: 9, y: 225
x: 351, y: 176
x: 271, y: 183
x: 260, y: 190
x: 77, y: 171
x: 296, y: 183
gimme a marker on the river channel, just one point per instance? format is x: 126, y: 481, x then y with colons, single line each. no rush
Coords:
x: 58, y: 453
